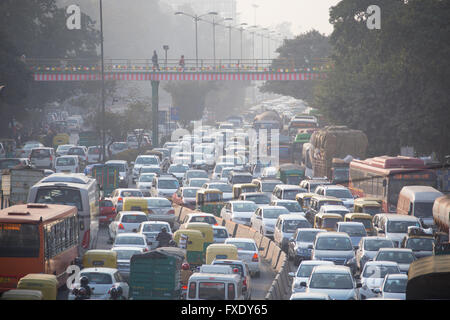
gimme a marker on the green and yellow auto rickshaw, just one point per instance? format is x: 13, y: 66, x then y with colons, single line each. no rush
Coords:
x: 194, y: 245
x: 221, y: 251
x: 46, y: 283
x: 239, y: 188
x: 22, y: 294
x: 304, y: 200
x: 206, y: 230
x: 100, y: 258
x: 291, y: 173
x: 367, y: 205
x: 210, y: 201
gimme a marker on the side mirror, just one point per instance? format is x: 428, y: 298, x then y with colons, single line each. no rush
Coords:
x: 291, y: 274
x: 359, y: 285
x: 377, y: 290
x: 303, y: 284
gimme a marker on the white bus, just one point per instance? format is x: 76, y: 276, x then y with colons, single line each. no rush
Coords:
x: 77, y: 190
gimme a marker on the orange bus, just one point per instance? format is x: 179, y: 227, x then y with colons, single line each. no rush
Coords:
x: 384, y: 177
x: 37, y: 238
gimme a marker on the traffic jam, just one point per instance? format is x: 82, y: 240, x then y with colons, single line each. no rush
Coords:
x: 73, y: 227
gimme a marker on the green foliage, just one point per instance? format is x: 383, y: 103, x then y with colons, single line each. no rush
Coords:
x: 391, y: 83
x: 307, y: 50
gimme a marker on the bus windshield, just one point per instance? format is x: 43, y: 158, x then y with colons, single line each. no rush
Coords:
x: 19, y: 240
x: 60, y: 195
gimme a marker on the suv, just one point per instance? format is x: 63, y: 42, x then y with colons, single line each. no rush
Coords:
x: 43, y: 158
x: 164, y: 186
x: 312, y: 184
x: 239, y: 177
x: 266, y: 185
x: 118, y: 195
x: 94, y: 154
x: 286, y: 226
x: 336, y: 247
x: 286, y: 192
x: 79, y: 151
x: 395, y: 226
x: 339, y: 192
x: 143, y: 160
x: 243, y: 271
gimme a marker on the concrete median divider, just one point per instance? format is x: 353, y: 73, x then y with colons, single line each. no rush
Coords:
x: 258, y: 237
x: 265, y: 243
x: 269, y: 252
x: 281, y: 260
x: 242, y: 231
x: 274, y: 257
x: 231, y: 227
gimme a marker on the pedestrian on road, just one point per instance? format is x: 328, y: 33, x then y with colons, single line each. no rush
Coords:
x: 155, y: 60
x: 182, y: 63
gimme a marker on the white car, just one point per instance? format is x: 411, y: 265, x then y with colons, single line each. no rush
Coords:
x: 368, y: 248
x: 178, y: 170
x: 372, y: 277
x: 339, y: 192
x: 160, y: 209
x: 264, y: 219
x: 118, y: 195
x: 197, y: 182
x: 199, y: 217
x: 131, y: 240
x: 303, y: 272
x: 164, y: 186
x: 238, y: 211
x: 404, y: 257
x: 336, y: 281
x: 394, y: 287
x: 218, y: 169
x: 286, y: 226
x: 124, y: 255
x: 101, y: 280
x: 43, y: 157
x: 309, y: 296
x: 94, y: 154
x: 62, y: 149
x: 126, y: 222
x: 143, y: 160
x: 117, y: 147
x: 67, y: 164
x: 150, y: 230
x: 329, y: 208
x: 145, y: 180
x: 79, y: 151
x: 227, y: 190
x: 26, y: 150
x: 292, y: 205
x: 248, y: 252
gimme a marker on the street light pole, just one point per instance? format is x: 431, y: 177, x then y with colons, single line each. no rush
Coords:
x: 103, y: 86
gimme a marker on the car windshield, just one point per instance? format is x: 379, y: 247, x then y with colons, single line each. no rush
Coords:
x: 242, y: 179
x: 244, y: 207
x: 160, y: 203
x: 63, y: 148
x: 334, y: 243
x: 197, y: 183
x: 291, y: 225
x: 220, y: 233
x: 305, y: 270
x: 372, y: 210
x: 353, y: 231
x: 246, y: 246
x: 268, y: 186
x: 76, y: 151
x: 377, y: 271
x: 211, y: 290
x: 147, y: 160
x: 168, y: 184
x: 190, y: 193
x: 420, y: 244
x: 396, y: 256
x: 400, y: 226
x: 331, y: 281
x: 155, y: 227
x: 150, y: 170
x: 197, y: 174
x: 205, y: 219
x: 330, y: 223
x: 306, y: 236
x: 65, y: 162
x: 126, y: 254
x: 376, y: 244
x: 273, y: 213
x: 366, y: 222
x: 341, y: 193
x: 131, y: 193
x: 130, y: 240
x: 258, y: 198
x: 423, y: 209
x: 224, y: 187
x: 291, y: 206
x: 290, y: 194
x: 177, y: 169
x: 97, y: 278
x: 134, y: 218
x: 146, y: 178
x: 395, y: 285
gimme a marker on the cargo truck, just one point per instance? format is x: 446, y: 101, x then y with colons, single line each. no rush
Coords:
x: 17, y: 182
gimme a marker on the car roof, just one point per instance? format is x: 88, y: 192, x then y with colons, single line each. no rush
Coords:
x: 155, y: 222
x: 128, y: 189
x: 129, y: 234
x: 333, y: 234
x: 284, y: 200
x: 292, y: 216
x: 254, y: 193
x: 395, y: 249
x: 397, y: 276
x: 100, y: 270
x: 317, y: 262
x: 274, y: 207
x: 400, y: 217
x: 333, y: 186
x: 127, y: 248
x: 133, y: 213
x: 374, y: 238
x: 200, y: 214
x: 116, y: 161
x: 240, y: 240
x: 350, y: 223
x: 229, y: 261
x: 240, y: 201
x: 334, y: 207
x: 331, y: 269
x: 219, y: 227
x: 288, y: 186
x: 381, y: 262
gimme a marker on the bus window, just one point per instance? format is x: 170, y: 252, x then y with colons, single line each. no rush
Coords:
x: 58, y: 195
x: 19, y: 240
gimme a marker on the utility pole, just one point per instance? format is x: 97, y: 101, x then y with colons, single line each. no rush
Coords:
x: 155, y: 113
x: 103, y: 87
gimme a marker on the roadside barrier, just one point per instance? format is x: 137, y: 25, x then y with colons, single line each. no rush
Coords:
x: 274, y: 256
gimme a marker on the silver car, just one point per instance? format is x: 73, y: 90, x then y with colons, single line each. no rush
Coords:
x: 372, y: 276
x: 124, y: 255
x: 404, y: 257
x: 303, y: 272
x: 355, y: 230
x: 151, y: 229
x: 238, y: 211
x: 368, y: 248
x: 393, y: 287
x: 160, y: 209
x: 336, y: 281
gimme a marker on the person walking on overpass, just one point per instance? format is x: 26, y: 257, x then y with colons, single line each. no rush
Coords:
x: 182, y: 63
x: 155, y: 60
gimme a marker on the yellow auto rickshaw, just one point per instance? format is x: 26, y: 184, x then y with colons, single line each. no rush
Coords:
x: 60, y: 138
x: 194, y: 245
x: 327, y: 221
x: 365, y: 219
x: 243, y: 187
x: 304, y: 200
x: 22, y: 294
x: 100, y: 258
x: 210, y: 201
x: 367, y: 205
x: 221, y: 251
x: 206, y: 230
x: 46, y: 283
x: 135, y: 204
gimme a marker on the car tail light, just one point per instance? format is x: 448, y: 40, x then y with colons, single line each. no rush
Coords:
x: 216, y: 224
x: 244, y: 282
x: 255, y: 258
x: 113, y: 209
x: 120, y: 199
x: 184, y: 287
x: 145, y: 249
x: 121, y: 227
x: 171, y: 211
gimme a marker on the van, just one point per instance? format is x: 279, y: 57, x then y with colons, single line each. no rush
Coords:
x: 43, y: 158
x: 394, y: 226
x: 213, y: 286
x: 417, y: 201
x: 69, y: 164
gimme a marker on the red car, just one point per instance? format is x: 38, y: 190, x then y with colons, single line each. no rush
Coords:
x: 107, y: 211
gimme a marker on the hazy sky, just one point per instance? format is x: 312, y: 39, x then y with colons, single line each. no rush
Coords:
x: 303, y: 14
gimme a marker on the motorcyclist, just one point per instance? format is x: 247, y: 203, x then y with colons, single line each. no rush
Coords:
x: 84, y: 291
x: 163, y: 238
x: 116, y: 293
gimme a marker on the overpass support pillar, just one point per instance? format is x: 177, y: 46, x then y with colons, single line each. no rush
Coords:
x: 155, y: 113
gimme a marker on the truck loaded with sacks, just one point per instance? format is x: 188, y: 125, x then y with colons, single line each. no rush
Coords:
x: 335, y: 142
x: 441, y: 213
